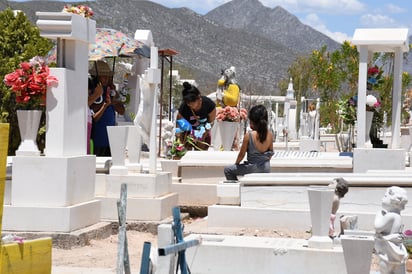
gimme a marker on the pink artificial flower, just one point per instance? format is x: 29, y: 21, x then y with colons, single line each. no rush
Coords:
x: 407, y: 233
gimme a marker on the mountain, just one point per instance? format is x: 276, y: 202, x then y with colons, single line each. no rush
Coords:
x: 275, y: 24
x: 261, y: 43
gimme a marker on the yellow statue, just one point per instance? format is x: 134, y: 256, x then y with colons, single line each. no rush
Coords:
x: 228, y: 91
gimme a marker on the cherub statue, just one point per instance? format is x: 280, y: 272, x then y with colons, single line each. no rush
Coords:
x: 228, y: 91
x: 388, y: 226
x: 341, y: 188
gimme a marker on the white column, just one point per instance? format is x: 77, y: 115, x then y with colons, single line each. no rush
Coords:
x: 153, y: 78
x: 396, y: 99
x: 66, y: 106
x: 361, y: 108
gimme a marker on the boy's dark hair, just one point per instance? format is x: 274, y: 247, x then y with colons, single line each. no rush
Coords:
x: 190, y: 93
x: 258, y: 115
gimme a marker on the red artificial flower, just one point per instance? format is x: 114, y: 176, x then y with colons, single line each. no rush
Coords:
x: 30, y: 82
x: 373, y: 71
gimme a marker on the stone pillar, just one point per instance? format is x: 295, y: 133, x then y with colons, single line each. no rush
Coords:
x: 153, y: 79
x: 66, y: 106
x: 361, y: 108
x: 396, y: 99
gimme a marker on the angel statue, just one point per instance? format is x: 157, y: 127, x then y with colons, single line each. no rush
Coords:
x: 388, y: 227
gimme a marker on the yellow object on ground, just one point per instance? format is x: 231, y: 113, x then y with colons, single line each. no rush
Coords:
x: 28, y: 257
x: 4, y: 146
x: 231, y: 95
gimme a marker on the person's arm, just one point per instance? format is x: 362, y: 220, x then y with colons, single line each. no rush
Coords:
x: 211, y: 116
x: 98, y: 91
x: 98, y: 114
x: 118, y: 105
x: 243, y: 148
x: 270, y: 136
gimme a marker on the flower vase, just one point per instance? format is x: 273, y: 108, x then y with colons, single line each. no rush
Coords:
x: 29, y: 121
x: 368, y: 125
x: 228, y: 131
x: 118, y: 141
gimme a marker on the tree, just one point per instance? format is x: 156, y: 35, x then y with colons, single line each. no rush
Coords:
x: 300, y: 72
x: 19, y: 41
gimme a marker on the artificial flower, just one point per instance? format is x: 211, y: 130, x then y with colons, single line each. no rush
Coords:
x: 177, y: 149
x: 374, y: 77
x: 30, y: 82
x: 232, y: 114
x: 407, y: 240
x: 372, y: 102
x: 82, y: 10
x: 347, y: 108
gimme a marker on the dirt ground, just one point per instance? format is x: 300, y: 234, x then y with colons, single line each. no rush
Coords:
x: 103, y: 253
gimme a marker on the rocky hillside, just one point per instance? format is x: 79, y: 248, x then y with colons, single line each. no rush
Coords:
x: 261, y: 43
x: 274, y: 24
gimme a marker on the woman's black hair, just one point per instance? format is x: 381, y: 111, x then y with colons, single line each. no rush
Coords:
x: 258, y: 115
x: 190, y: 93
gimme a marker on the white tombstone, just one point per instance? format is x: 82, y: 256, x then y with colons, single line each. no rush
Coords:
x: 149, y: 194
x: 368, y: 42
x: 56, y: 192
x: 290, y: 112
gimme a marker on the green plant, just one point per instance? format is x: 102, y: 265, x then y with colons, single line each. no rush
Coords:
x: 20, y: 42
x: 177, y: 149
x: 347, y: 110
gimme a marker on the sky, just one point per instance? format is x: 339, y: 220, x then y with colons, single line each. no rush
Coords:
x: 337, y: 19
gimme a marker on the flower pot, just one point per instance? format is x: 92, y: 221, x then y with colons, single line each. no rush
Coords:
x: 118, y: 140
x: 228, y: 131
x: 29, y: 121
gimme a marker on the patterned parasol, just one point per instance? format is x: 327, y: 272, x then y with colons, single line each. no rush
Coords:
x: 114, y: 43
x: 110, y: 43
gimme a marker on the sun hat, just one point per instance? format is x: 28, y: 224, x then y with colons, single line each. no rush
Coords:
x: 100, y: 68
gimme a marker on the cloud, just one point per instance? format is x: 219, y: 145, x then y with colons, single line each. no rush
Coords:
x: 319, y: 6
x: 377, y: 21
x: 315, y: 22
x: 391, y: 8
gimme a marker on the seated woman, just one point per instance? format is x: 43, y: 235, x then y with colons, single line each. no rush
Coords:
x: 200, y: 112
x: 258, y: 143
